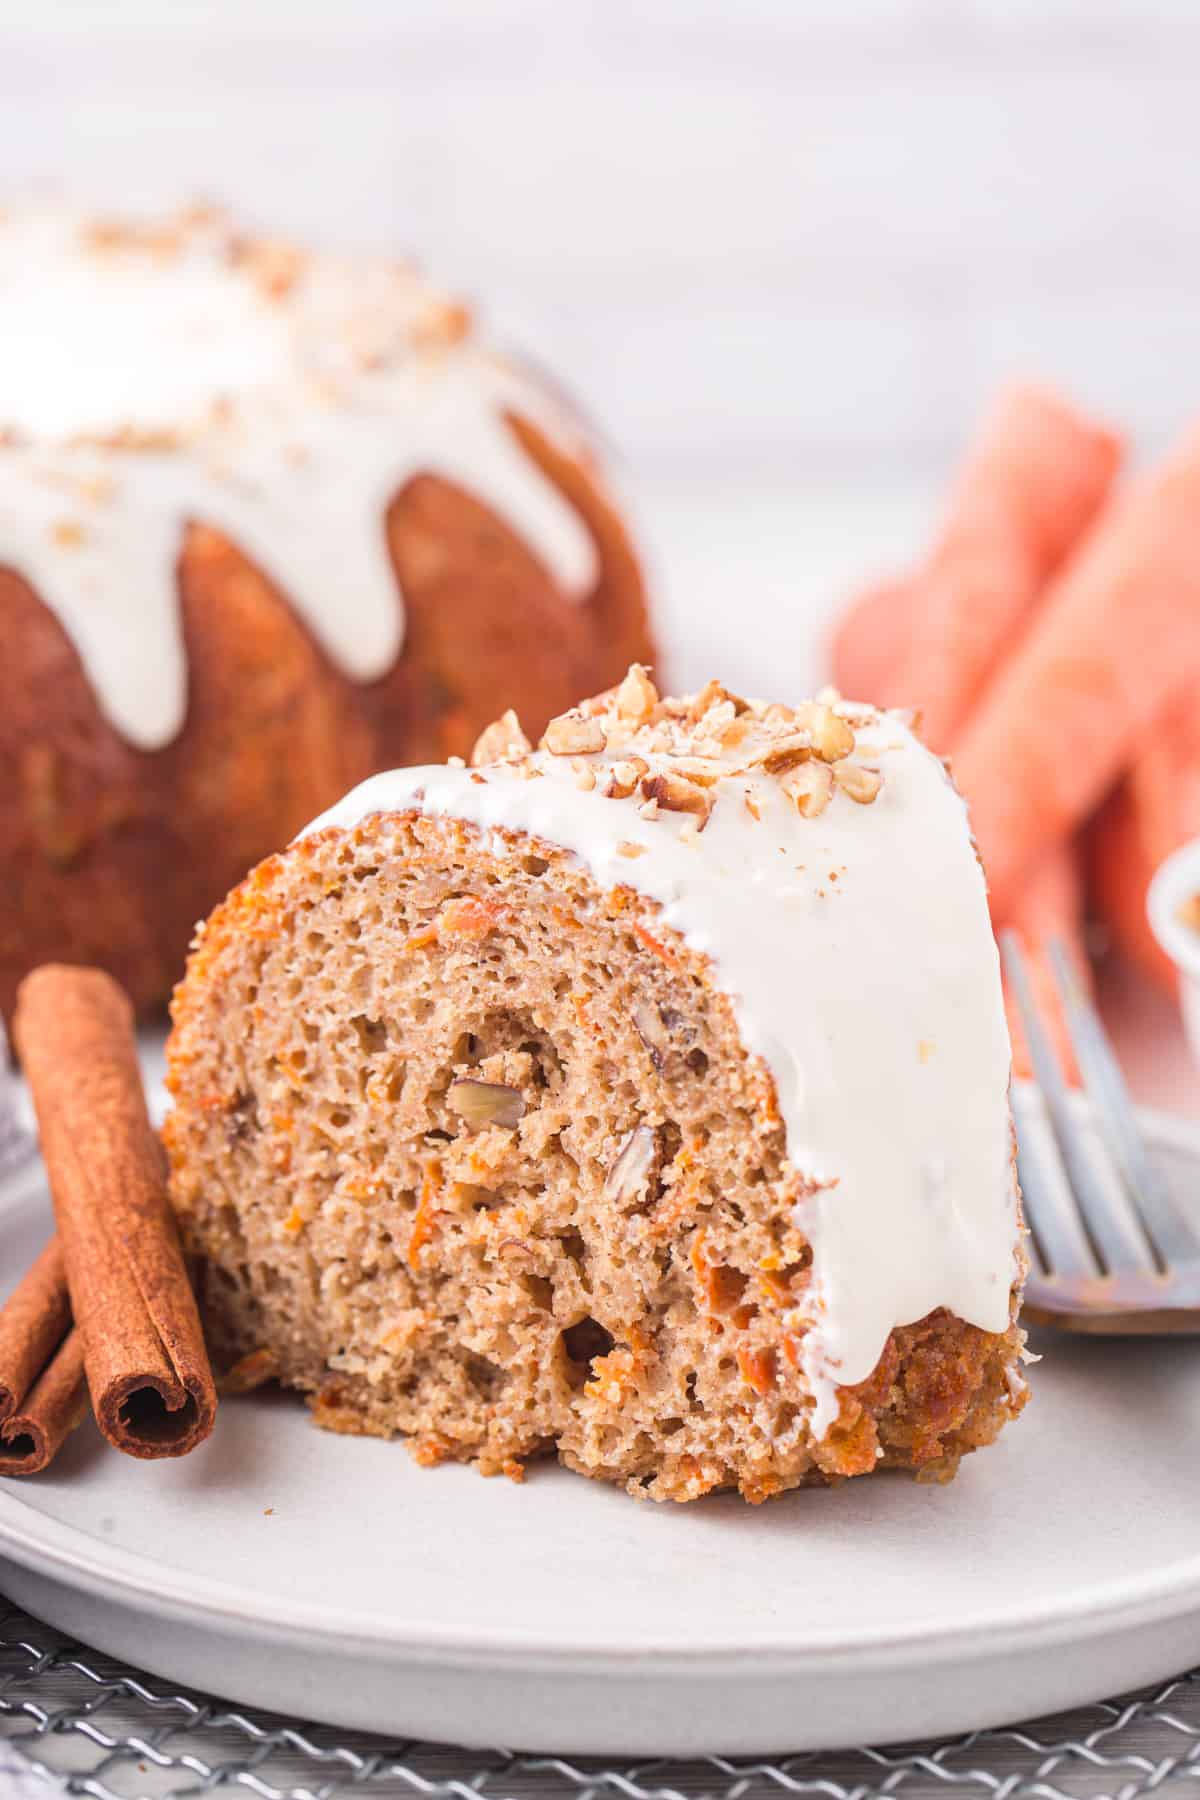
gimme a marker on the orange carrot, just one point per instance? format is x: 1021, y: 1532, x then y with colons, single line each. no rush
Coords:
x: 1115, y: 642
x: 1165, y: 778
x: 870, y: 638
x: 1033, y: 481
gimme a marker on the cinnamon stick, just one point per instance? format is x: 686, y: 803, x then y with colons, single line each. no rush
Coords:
x: 143, y: 1350
x: 35, y: 1320
x: 33, y: 1436
x: 43, y: 1395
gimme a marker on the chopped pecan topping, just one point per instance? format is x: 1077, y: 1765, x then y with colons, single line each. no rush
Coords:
x: 573, y: 735
x: 809, y: 787
x: 624, y: 776
x: 723, y: 723
x: 675, y: 794
x: 711, y: 696
x: 777, y: 715
x: 502, y: 739
x: 832, y: 738
x: 784, y: 754
x: 637, y: 696
x: 860, y: 783
x: 700, y: 769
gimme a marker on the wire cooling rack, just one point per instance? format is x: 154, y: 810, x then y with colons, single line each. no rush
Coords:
x: 74, y: 1721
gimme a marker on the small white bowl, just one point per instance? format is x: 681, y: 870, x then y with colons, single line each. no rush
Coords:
x: 1176, y: 881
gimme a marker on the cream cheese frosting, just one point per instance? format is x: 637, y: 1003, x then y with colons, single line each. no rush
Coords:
x: 842, y: 908
x: 151, y: 377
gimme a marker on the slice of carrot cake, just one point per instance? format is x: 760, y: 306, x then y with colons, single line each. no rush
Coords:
x: 641, y: 1098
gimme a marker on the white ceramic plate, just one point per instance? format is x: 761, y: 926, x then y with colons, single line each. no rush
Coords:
x: 331, y: 1578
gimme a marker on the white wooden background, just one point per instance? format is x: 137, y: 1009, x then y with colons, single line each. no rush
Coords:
x: 750, y: 232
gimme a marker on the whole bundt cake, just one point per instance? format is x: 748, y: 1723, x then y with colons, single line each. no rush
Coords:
x: 268, y: 521
x: 642, y: 1098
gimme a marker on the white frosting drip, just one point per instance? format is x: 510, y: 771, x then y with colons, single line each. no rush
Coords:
x: 293, y: 423
x: 857, y: 952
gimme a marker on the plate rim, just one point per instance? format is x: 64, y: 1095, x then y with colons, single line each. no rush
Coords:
x: 1122, y: 1604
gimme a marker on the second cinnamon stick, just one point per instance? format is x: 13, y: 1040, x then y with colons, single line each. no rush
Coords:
x: 33, y: 1323
x: 31, y: 1437
x: 143, y: 1349
x: 43, y: 1395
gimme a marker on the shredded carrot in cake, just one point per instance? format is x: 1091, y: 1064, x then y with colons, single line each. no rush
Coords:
x: 757, y: 1369
x: 775, y: 1286
x: 429, y: 1452
x: 721, y: 1286
x: 656, y: 946
x: 423, y: 1219
x: 421, y: 940
x: 854, y: 1449
x: 468, y: 918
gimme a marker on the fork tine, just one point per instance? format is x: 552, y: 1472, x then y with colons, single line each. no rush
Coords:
x: 1117, y: 1250
x: 1039, y: 1263
x: 1057, y: 1243
x: 1053, y: 1218
x: 1166, y: 1227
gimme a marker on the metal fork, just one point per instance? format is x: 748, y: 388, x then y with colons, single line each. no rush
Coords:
x: 1110, y: 1251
